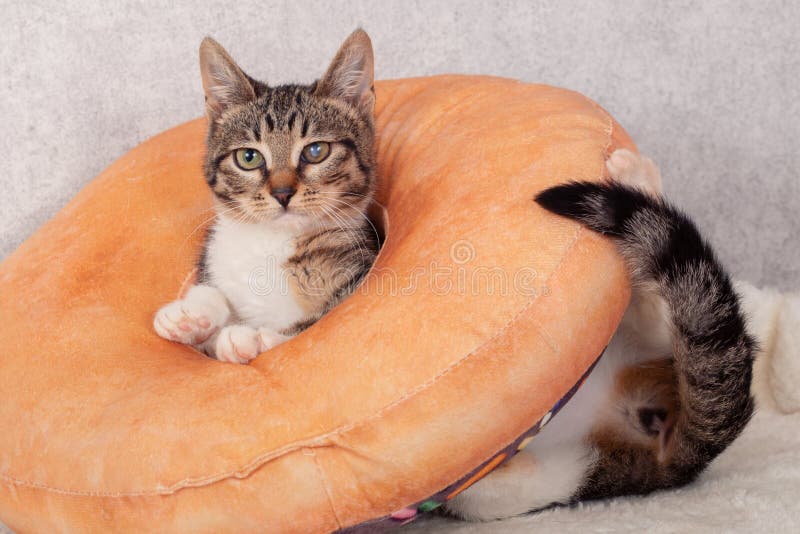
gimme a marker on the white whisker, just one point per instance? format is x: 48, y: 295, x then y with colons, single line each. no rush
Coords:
x: 360, y: 242
x: 360, y: 213
x: 206, y: 222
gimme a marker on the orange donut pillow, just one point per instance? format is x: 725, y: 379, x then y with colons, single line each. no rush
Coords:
x: 481, y: 313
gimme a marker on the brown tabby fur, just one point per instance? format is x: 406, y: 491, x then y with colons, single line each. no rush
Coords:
x: 331, y: 257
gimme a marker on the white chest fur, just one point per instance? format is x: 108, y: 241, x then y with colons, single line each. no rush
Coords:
x: 246, y: 262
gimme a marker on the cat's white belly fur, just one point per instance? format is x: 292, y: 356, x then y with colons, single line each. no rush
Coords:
x: 553, y: 467
x: 245, y: 262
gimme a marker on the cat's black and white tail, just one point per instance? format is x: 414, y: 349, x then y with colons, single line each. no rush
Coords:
x: 712, y: 351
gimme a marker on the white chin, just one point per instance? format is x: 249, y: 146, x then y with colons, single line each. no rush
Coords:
x: 290, y: 220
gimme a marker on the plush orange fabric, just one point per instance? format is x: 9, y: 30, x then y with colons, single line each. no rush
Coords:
x: 398, y: 392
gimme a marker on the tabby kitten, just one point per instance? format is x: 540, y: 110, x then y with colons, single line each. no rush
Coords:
x: 672, y: 390
x: 292, y: 171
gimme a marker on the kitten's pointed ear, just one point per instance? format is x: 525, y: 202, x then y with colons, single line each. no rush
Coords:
x: 224, y: 83
x: 350, y: 75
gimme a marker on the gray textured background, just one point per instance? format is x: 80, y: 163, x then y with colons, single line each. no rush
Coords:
x: 708, y: 88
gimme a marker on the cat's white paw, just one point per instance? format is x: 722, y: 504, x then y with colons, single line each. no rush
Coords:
x: 193, y: 319
x: 237, y: 344
x: 172, y: 322
x: 635, y: 170
x: 270, y: 338
x: 621, y: 162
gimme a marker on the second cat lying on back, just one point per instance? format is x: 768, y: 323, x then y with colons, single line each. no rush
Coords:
x: 292, y: 170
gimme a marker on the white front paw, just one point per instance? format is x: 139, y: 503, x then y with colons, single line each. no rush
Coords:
x: 269, y: 338
x: 237, y: 344
x: 179, y: 322
x: 193, y: 319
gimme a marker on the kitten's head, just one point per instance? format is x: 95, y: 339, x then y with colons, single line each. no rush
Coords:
x: 294, y: 155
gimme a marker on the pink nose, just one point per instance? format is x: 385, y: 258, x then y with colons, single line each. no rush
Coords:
x: 283, y: 195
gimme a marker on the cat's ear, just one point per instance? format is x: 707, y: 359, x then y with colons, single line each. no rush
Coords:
x: 224, y: 83
x: 350, y: 75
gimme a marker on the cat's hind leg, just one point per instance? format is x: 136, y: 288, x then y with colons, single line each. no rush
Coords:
x: 531, y: 480
x: 629, y: 168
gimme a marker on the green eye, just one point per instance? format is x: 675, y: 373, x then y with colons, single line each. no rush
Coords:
x: 316, y: 152
x: 248, y: 159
